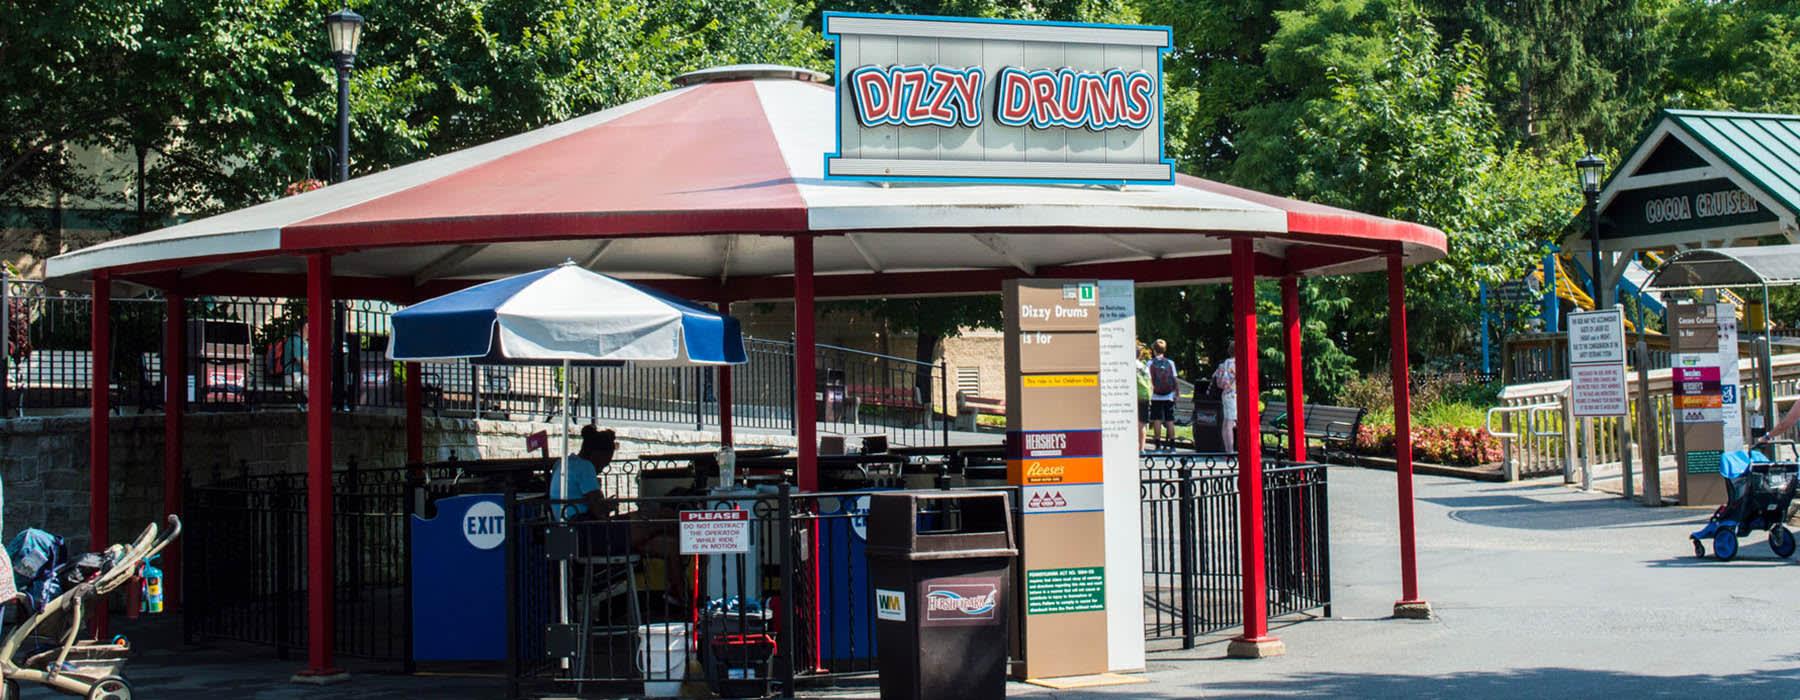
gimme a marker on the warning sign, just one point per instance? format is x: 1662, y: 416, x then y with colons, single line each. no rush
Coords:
x: 1051, y: 591
x: 1599, y: 390
x: 715, y: 531
x: 1597, y: 363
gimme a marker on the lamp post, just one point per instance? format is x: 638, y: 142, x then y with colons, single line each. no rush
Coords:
x: 344, y: 29
x: 1590, y: 167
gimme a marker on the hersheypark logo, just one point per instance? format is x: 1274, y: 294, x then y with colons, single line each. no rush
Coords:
x: 932, y: 95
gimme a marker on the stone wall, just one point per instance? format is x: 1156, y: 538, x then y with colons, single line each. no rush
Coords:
x: 43, y: 461
x: 982, y: 350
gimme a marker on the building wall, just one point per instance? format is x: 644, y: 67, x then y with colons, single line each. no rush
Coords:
x: 979, y: 351
x: 43, y: 461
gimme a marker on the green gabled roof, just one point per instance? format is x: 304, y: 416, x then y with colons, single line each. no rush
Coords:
x: 1763, y: 147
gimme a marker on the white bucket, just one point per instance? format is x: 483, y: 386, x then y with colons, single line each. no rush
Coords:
x: 663, y: 658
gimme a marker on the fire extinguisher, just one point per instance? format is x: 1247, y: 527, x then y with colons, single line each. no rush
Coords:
x: 153, y: 587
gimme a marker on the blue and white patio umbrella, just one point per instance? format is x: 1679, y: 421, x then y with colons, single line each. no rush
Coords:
x: 565, y: 316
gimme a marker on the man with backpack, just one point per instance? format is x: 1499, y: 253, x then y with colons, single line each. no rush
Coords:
x: 1164, y: 386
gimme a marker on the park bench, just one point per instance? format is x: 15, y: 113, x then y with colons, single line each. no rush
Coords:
x: 903, y: 401
x: 970, y: 407
x: 1333, y: 427
x: 453, y: 385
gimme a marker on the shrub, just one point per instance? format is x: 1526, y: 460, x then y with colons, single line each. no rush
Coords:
x: 1459, y: 446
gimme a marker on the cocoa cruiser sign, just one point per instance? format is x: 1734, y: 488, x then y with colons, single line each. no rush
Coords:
x: 1686, y: 206
x: 950, y: 98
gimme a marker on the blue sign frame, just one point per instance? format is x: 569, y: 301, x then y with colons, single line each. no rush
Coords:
x: 838, y: 91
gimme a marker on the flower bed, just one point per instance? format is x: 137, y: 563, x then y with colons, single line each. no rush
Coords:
x: 1465, y: 447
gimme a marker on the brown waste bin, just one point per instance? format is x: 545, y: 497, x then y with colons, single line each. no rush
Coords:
x: 941, y: 566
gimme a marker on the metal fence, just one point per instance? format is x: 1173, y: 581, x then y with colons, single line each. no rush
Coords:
x: 246, y: 561
x: 1540, y: 436
x: 1193, y: 576
x: 797, y: 606
x: 246, y: 354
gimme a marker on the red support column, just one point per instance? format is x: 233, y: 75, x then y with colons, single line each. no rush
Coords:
x: 1255, y: 642
x: 1410, y: 604
x: 806, y: 427
x: 99, y: 452
x: 1296, y: 379
x: 723, y: 389
x: 174, y: 365
x: 320, y: 615
x: 415, y: 414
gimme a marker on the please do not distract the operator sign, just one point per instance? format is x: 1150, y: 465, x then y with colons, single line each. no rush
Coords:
x: 1597, y: 363
x: 715, y: 531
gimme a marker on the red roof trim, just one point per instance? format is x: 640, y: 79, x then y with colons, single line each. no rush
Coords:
x: 1310, y: 218
x: 530, y: 227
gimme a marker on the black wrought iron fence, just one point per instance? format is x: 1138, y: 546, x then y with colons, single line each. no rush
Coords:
x: 797, y: 604
x: 249, y: 353
x: 1193, y: 578
x: 48, y: 362
x: 247, y: 567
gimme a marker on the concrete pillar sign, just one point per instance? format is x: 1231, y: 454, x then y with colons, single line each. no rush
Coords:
x: 1054, y: 452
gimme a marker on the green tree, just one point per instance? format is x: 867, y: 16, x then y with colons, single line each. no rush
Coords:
x: 1415, y: 139
x: 1742, y: 56
x: 58, y: 90
x: 232, y: 101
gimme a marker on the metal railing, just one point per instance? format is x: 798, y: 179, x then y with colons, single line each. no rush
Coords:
x: 247, y: 354
x: 809, y: 612
x: 247, y: 571
x: 1540, y: 436
x: 1192, y: 567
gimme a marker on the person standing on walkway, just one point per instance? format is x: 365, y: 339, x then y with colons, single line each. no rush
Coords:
x: 1164, y: 386
x: 1143, y: 392
x: 1224, y: 378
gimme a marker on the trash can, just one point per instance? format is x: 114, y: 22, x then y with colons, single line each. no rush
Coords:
x: 941, y: 566
x: 1207, y: 414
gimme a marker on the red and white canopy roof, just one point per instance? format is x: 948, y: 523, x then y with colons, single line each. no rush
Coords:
x: 698, y: 188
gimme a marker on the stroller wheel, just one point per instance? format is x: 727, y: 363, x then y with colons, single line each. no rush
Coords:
x: 1725, y: 544
x: 110, y: 688
x: 1699, y: 549
x: 1781, y: 540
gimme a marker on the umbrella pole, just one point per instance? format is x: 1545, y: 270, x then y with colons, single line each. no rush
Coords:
x: 563, y: 578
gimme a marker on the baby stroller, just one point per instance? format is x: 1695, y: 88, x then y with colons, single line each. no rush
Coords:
x: 1759, y: 493
x: 68, y: 664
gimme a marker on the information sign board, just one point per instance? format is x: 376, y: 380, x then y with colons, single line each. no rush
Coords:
x: 1597, y: 363
x: 715, y: 531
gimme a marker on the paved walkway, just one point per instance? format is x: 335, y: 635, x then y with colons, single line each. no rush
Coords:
x: 1542, y: 591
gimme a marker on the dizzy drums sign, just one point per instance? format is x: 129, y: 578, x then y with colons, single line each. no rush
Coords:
x: 942, y: 98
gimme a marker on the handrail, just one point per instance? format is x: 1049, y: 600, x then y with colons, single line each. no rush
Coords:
x: 1494, y: 411
x: 1530, y: 411
x: 1531, y: 416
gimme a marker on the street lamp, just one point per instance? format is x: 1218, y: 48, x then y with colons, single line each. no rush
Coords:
x: 1591, y: 167
x: 344, y: 29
